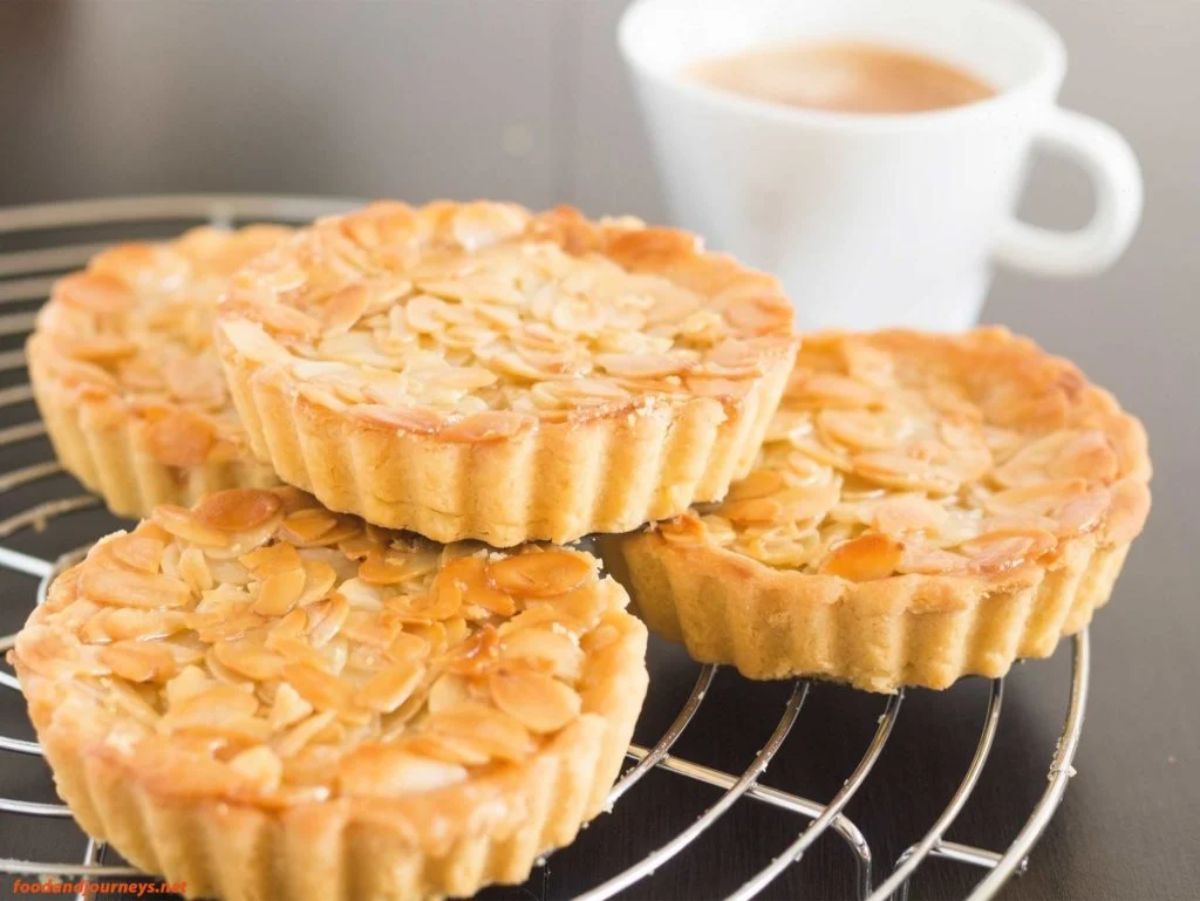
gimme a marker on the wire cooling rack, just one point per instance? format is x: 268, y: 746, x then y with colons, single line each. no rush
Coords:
x: 32, y: 253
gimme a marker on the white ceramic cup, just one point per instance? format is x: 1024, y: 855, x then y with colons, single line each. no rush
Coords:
x: 876, y: 220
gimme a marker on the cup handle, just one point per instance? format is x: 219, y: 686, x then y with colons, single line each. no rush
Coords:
x: 1109, y: 161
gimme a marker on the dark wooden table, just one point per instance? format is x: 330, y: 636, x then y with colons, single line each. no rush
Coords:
x: 527, y: 100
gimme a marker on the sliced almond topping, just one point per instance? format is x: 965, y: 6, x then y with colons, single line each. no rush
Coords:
x: 138, y: 661
x: 492, y: 425
x: 540, y: 575
x: 391, y: 687
x: 343, y: 308
x: 758, y: 483
x: 298, y: 736
x: 271, y: 559
x: 137, y: 552
x: 119, y: 623
x: 260, y: 766
x: 753, y: 510
x: 907, y: 513
x: 554, y: 652
x: 996, y: 552
x: 638, y: 366
x: 193, y: 569
x: 215, y: 705
x: 249, y: 658
x: 279, y: 592
x: 760, y: 316
x: 181, y: 523
x: 94, y: 292
x: 540, y: 702
x: 308, y: 526
x: 489, y: 731
x: 321, y: 689
x: 380, y: 770
x: 326, y: 618
x: 863, y: 429
x: 870, y: 556
x: 288, y: 707
x: 377, y: 569
x: 128, y: 589
x: 238, y: 509
x: 180, y: 437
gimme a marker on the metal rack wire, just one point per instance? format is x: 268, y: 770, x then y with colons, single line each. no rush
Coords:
x: 26, y: 274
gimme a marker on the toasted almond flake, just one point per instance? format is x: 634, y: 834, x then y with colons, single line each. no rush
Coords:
x: 492, y: 425
x: 261, y: 766
x: 488, y: 731
x: 249, y: 658
x: 181, y: 523
x: 753, y: 510
x: 448, y: 691
x: 326, y: 618
x: 278, y: 593
x: 94, y: 292
x: 556, y: 653
x: 450, y: 748
x: 760, y: 315
x: 193, y: 569
x: 391, y: 687
x: 319, y: 580
x: 870, y: 556
x: 294, y: 739
x: 190, y: 682
x: 377, y: 569
x: 321, y: 689
x: 758, y: 483
x: 127, y: 589
x: 137, y: 551
x: 342, y: 309
x: 138, y: 661
x: 179, y: 437
x: 864, y: 429
x: 905, y: 513
x: 1005, y: 549
x: 540, y: 574
x: 215, y: 705
x: 539, y: 702
x: 134, y: 705
x: 382, y: 771
x: 288, y: 708
x: 237, y: 509
x: 308, y: 525
x: 642, y: 365
x: 119, y: 623
x: 271, y: 559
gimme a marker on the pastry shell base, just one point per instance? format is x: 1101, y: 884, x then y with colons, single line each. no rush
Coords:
x: 556, y: 481
x: 100, y: 441
x: 878, y: 635
x: 449, y: 841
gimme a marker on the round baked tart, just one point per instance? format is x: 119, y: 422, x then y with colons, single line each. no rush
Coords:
x: 478, y: 371
x: 127, y: 381
x: 264, y: 699
x: 925, y: 507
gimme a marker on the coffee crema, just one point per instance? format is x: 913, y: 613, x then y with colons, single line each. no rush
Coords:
x: 843, y: 76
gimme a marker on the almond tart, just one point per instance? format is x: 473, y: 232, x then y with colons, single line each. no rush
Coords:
x: 924, y: 507
x: 264, y: 699
x: 126, y: 379
x: 474, y: 370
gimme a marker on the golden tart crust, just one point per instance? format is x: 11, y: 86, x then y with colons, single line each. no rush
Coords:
x: 925, y: 507
x: 265, y: 699
x: 475, y: 370
x: 126, y: 378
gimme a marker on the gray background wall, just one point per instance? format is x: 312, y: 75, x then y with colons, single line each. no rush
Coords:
x: 528, y: 100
